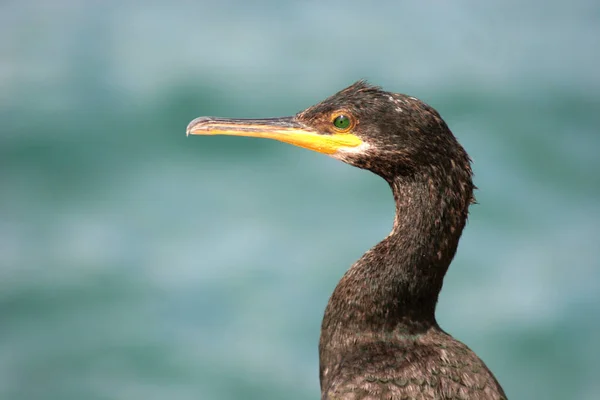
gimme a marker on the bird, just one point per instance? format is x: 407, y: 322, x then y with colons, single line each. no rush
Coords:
x: 379, y: 334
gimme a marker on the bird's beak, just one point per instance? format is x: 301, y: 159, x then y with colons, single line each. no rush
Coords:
x: 288, y: 130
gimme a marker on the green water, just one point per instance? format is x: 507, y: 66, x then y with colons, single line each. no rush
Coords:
x: 136, y: 263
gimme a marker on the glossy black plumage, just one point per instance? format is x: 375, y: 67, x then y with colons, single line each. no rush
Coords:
x: 379, y: 337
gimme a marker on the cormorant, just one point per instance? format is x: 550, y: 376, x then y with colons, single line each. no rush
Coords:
x: 379, y: 336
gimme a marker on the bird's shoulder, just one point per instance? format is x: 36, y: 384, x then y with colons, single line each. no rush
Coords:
x: 432, y: 366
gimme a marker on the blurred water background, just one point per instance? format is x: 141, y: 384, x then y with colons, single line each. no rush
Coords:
x: 136, y: 263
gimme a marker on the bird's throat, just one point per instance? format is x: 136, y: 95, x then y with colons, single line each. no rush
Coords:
x: 393, y: 289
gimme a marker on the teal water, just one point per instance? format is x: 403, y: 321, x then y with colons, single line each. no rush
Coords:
x: 136, y: 263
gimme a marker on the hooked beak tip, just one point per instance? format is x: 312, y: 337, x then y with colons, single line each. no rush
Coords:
x: 195, y: 125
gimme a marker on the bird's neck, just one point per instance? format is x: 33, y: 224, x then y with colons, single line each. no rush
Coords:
x: 394, y: 287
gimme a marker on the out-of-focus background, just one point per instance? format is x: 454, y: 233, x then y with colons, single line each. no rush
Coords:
x: 138, y: 263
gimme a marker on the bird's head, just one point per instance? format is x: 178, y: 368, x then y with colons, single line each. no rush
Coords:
x: 390, y: 134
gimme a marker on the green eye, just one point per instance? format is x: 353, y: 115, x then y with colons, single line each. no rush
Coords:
x: 341, y: 122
